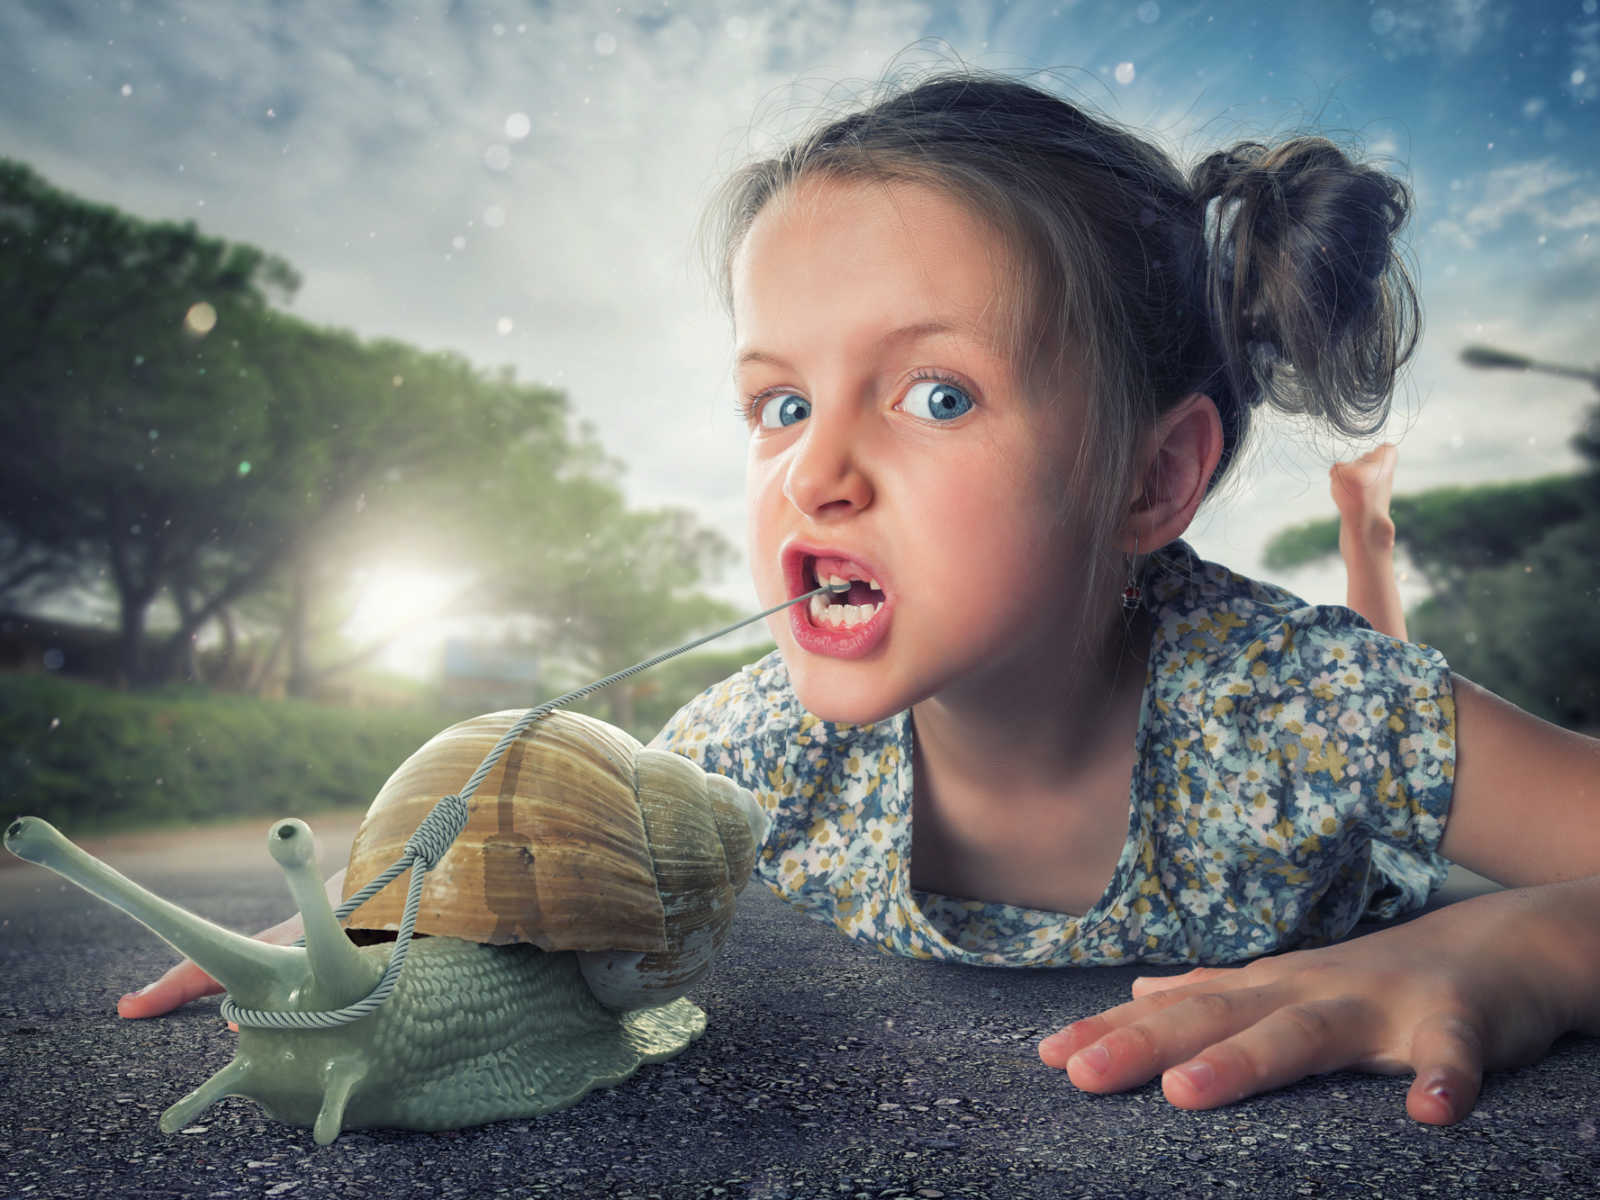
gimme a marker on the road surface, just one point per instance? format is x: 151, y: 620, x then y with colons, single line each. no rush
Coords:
x: 828, y: 1070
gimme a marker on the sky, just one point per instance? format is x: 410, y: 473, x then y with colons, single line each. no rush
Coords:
x: 521, y: 183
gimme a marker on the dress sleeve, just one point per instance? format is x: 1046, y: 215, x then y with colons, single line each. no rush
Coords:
x: 1334, y: 748
x: 687, y: 729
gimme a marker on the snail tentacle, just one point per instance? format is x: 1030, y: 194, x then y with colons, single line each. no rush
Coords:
x: 260, y: 973
x: 232, y: 1080
x: 343, y: 1076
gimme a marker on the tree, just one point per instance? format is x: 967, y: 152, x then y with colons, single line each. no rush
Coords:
x: 608, y: 586
x: 102, y: 354
x: 1526, y: 629
x: 171, y: 431
x: 174, y: 435
x: 401, y: 465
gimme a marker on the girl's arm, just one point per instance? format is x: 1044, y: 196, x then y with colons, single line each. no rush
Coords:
x: 1526, y: 804
x: 1486, y: 983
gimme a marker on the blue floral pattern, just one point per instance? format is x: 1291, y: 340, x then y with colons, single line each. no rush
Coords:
x: 1294, y: 774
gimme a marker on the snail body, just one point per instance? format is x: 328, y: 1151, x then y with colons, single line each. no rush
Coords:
x: 592, y: 886
x: 472, y: 1034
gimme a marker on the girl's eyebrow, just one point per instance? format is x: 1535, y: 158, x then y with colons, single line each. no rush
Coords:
x: 905, y: 333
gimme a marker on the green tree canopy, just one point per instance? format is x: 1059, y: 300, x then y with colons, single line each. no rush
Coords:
x: 609, y: 585
x: 95, y: 302
x: 174, y: 435
x: 1451, y: 531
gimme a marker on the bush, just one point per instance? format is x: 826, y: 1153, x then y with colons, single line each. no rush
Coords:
x: 92, y: 759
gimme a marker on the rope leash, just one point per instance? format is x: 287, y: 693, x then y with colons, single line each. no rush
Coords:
x: 435, y: 835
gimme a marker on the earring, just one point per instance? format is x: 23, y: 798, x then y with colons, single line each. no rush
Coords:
x: 1133, y: 593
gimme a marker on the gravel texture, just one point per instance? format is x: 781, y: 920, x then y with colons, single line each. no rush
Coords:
x: 828, y: 1070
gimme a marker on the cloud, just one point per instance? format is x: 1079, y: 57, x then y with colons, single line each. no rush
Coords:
x: 1456, y: 27
x: 1547, y: 194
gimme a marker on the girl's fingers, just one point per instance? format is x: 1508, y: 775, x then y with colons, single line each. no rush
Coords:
x: 1108, y: 1055
x: 1448, y: 1056
x: 1217, y: 1035
x: 1287, y: 1044
x: 180, y: 985
x: 1161, y: 993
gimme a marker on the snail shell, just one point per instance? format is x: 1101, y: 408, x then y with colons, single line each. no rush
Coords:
x: 579, y: 839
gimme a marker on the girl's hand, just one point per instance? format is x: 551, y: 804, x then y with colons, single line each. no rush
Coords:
x: 181, y: 984
x: 1483, y: 984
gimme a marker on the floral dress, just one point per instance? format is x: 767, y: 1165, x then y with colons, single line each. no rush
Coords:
x: 1294, y: 772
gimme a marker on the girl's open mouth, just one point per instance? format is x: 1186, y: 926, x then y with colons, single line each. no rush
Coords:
x: 846, y: 609
x: 846, y: 624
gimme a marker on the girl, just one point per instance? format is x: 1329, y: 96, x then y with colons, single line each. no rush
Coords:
x: 993, y: 353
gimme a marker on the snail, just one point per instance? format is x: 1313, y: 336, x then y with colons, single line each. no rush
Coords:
x: 591, y: 887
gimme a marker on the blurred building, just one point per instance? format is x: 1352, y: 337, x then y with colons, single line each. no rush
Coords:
x: 43, y: 645
x: 487, y: 677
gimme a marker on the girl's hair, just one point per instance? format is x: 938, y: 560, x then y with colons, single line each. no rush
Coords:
x: 1269, y: 274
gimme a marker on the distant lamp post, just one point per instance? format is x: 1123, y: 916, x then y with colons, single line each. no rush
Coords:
x: 1488, y: 357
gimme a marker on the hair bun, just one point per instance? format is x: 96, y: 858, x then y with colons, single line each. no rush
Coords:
x: 1311, y: 307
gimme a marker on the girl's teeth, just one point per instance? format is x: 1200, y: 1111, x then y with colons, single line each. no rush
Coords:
x: 841, y: 616
x: 839, y: 581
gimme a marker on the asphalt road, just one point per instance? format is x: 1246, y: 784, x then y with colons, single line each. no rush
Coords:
x: 827, y: 1071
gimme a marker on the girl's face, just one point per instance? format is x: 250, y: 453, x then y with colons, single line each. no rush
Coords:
x: 891, y: 444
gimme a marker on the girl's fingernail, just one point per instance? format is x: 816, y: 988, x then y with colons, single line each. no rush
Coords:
x: 1059, y: 1038
x: 1096, y: 1058
x: 1198, y: 1074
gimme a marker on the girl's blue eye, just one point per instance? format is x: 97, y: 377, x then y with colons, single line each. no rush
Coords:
x: 936, y: 400
x: 785, y: 408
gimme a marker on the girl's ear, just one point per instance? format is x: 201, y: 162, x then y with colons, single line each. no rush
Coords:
x: 1176, y: 465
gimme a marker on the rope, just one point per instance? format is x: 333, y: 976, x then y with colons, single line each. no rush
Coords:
x: 438, y: 830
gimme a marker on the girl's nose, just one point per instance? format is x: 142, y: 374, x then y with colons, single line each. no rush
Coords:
x: 826, y: 477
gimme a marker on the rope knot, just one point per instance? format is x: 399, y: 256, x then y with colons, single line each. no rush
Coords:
x: 437, y: 830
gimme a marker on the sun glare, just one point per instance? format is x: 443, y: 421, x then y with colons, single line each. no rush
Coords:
x: 408, y: 605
